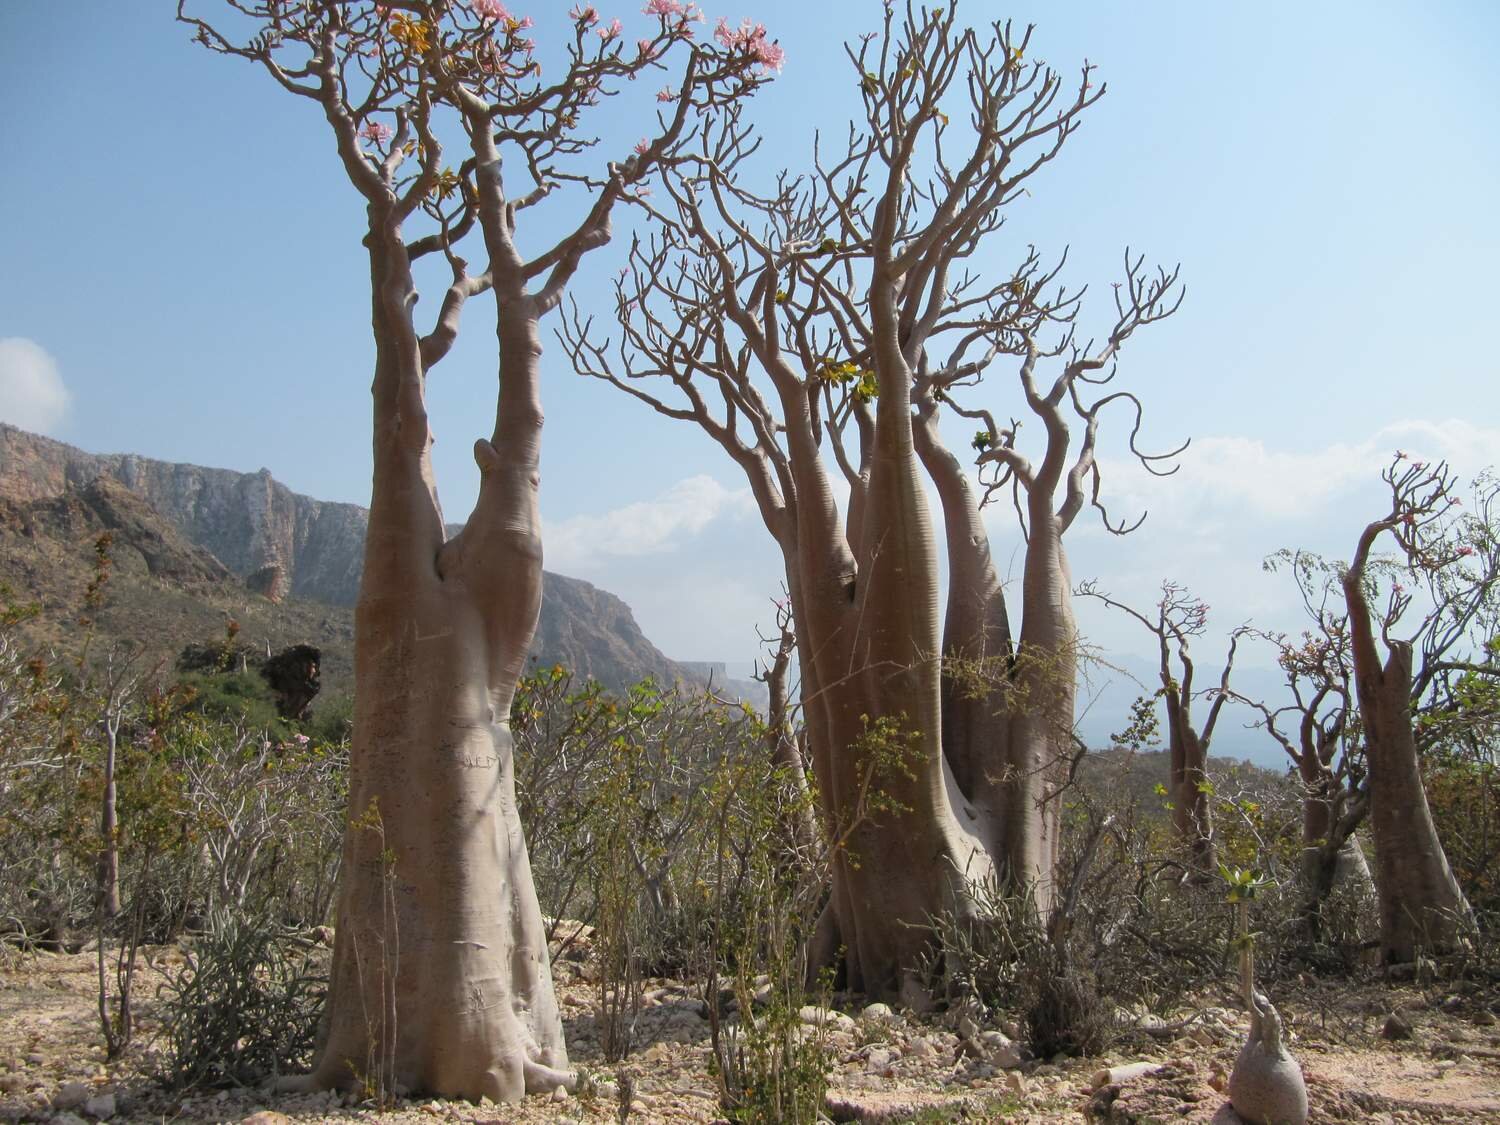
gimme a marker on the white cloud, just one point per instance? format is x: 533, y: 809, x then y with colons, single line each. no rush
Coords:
x: 1245, y: 479
x: 32, y: 394
x: 647, y: 527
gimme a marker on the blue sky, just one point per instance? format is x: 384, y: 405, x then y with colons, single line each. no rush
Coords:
x: 181, y: 253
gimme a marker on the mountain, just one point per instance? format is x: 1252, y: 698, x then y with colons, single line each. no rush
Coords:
x: 194, y: 547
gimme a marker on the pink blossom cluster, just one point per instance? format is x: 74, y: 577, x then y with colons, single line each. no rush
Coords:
x: 490, y: 10
x: 376, y: 131
x: 613, y: 29
x: 751, y: 37
x: 668, y: 8
x: 584, y: 14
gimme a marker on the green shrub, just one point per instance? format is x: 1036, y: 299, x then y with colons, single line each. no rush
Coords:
x: 245, y: 1006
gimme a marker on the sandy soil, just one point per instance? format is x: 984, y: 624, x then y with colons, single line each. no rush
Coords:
x: 888, y: 1068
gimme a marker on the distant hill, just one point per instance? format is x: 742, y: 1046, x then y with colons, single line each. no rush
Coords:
x: 194, y: 547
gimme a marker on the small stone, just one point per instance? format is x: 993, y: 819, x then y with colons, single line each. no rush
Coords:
x: 639, y: 1106
x: 36, y: 1059
x: 1001, y: 1051
x: 560, y: 1094
x: 72, y: 1095
x: 878, y: 1012
x: 101, y: 1106
x: 68, y: 1119
x: 879, y: 1061
x: 1014, y: 1082
x: 825, y: 1016
x: 266, y: 1117
x: 919, y: 1048
x: 1396, y: 1026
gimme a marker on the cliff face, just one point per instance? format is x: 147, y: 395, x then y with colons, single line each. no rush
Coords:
x: 287, y: 544
x: 249, y: 521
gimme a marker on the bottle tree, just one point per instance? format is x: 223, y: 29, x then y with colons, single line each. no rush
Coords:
x: 440, y: 978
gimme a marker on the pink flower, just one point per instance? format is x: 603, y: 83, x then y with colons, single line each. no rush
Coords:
x: 489, y: 10
x: 1464, y: 552
x: 665, y: 8
x: 585, y: 15
x: 608, y: 33
x: 643, y: 146
x: 643, y: 45
x: 751, y: 38
x: 301, y: 739
x: 667, y: 95
x: 376, y: 132
x: 1398, y: 588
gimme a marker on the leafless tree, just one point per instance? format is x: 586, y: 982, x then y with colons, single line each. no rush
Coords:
x: 797, y: 328
x: 1421, y: 905
x: 1178, y: 619
x: 1319, y: 731
x: 434, y: 851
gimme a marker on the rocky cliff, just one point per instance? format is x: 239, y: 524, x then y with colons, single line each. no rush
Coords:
x: 249, y: 521
x: 279, y: 542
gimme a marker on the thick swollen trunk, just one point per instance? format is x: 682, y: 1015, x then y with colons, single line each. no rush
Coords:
x: 440, y: 979
x: 976, y: 641
x: 1331, y: 856
x: 1042, y: 723
x: 1188, y: 786
x: 1422, y: 908
x: 909, y: 859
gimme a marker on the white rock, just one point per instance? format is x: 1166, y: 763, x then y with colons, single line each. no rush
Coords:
x: 879, y: 1060
x: 878, y: 1012
x: 920, y: 1048
x: 101, y: 1106
x: 825, y: 1016
x: 1002, y: 1051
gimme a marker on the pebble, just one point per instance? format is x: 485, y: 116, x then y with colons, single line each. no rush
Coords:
x: 878, y: 1012
x: 560, y: 1094
x: 101, y: 1106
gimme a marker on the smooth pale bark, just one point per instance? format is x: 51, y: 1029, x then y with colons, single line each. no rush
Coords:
x: 440, y: 979
x: 977, y: 649
x: 1192, y: 819
x: 1330, y: 853
x: 910, y: 863
x: 1422, y: 908
x: 1042, y: 727
x: 109, y: 823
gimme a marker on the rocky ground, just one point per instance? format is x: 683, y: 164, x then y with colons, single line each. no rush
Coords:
x: 1437, y: 1060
